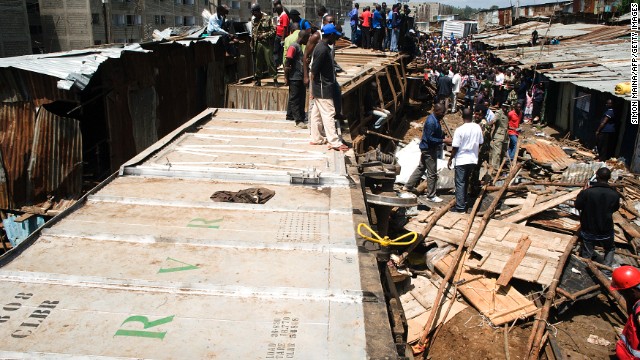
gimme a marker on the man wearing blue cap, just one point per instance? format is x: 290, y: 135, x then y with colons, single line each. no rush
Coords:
x: 322, y: 77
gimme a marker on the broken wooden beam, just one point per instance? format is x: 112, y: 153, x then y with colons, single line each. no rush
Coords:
x: 606, y: 283
x: 540, y: 323
x: 542, y: 207
x: 421, y: 345
x: 514, y: 261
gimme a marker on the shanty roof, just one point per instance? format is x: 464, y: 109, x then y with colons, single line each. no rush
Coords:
x: 521, y: 34
x: 75, y: 67
x: 597, y: 60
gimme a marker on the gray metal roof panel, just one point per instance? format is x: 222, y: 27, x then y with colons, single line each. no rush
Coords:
x: 151, y: 267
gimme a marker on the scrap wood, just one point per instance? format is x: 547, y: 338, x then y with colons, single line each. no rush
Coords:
x: 433, y: 219
x: 498, y: 242
x: 418, y: 302
x: 540, y: 323
x: 629, y: 228
x: 421, y: 345
x: 459, y: 254
x: 542, y: 207
x: 500, y: 305
x: 514, y: 261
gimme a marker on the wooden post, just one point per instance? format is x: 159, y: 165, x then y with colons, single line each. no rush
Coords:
x: 540, y: 322
x: 606, y: 283
x: 420, y: 346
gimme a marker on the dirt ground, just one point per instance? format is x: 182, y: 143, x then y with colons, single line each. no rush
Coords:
x: 466, y: 336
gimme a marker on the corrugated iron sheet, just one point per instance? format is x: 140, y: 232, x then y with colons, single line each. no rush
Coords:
x: 55, y: 166
x: 72, y: 68
x: 17, y: 125
x: 590, y: 56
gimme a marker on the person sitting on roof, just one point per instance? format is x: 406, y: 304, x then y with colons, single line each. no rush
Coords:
x: 219, y: 25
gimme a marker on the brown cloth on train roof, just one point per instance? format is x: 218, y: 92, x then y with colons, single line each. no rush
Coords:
x: 246, y: 196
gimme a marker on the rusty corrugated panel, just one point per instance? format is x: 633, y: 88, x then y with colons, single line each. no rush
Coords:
x: 17, y: 122
x: 548, y: 154
x: 589, y: 6
x: 55, y: 167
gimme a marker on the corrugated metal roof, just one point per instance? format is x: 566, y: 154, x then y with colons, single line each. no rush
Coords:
x: 597, y: 60
x: 149, y: 267
x: 75, y: 67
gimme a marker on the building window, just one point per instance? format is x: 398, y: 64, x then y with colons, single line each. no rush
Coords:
x: 95, y: 19
x: 178, y: 2
x: 249, y: 5
x: 163, y: 19
x: 236, y: 5
x: 189, y: 20
x: 160, y: 19
x: 134, y: 20
x: 179, y: 20
x: 132, y: 41
x: 188, y: 2
x: 97, y: 42
x: 121, y: 41
x: 118, y: 19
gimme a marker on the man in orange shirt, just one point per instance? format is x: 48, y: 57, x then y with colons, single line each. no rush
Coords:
x: 515, y: 116
x: 365, y: 27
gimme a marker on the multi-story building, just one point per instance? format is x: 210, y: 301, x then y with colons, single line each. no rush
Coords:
x: 14, y: 28
x: 76, y: 24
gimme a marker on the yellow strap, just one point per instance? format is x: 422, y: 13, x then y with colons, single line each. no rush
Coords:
x: 384, y: 241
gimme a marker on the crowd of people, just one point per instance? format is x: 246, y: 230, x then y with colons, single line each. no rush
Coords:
x: 494, y: 101
x: 381, y: 28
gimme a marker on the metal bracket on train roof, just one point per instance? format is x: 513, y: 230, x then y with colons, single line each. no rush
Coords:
x: 311, y: 176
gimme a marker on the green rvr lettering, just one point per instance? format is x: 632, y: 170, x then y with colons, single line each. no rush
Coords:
x: 174, y: 269
x: 146, y: 324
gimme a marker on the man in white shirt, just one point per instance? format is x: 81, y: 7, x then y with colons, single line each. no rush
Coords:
x: 498, y: 88
x: 457, y: 81
x: 466, y: 145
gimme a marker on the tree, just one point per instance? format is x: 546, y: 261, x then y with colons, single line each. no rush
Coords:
x: 494, y: 7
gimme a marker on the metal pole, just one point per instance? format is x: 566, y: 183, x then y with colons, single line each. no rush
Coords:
x: 106, y: 21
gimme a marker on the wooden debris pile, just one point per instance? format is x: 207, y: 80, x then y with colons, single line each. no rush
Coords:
x: 512, y: 253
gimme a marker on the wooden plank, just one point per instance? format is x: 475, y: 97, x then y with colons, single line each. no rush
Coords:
x: 542, y: 207
x: 517, y: 256
x: 500, y: 305
x: 529, y: 202
x: 626, y: 225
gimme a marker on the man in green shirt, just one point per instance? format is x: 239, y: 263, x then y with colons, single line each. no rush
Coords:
x: 289, y: 40
x: 262, y: 37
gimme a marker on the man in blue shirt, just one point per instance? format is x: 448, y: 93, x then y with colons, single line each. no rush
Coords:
x: 395, y: 28
x: 432, y: 138
x: 353, y: 17
x: 606, y: 133
x: 376, y: 25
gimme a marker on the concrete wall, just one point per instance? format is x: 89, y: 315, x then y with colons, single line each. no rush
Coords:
x: 14, y: 28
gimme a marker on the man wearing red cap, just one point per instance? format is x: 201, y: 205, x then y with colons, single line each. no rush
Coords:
x: 625, y: 280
